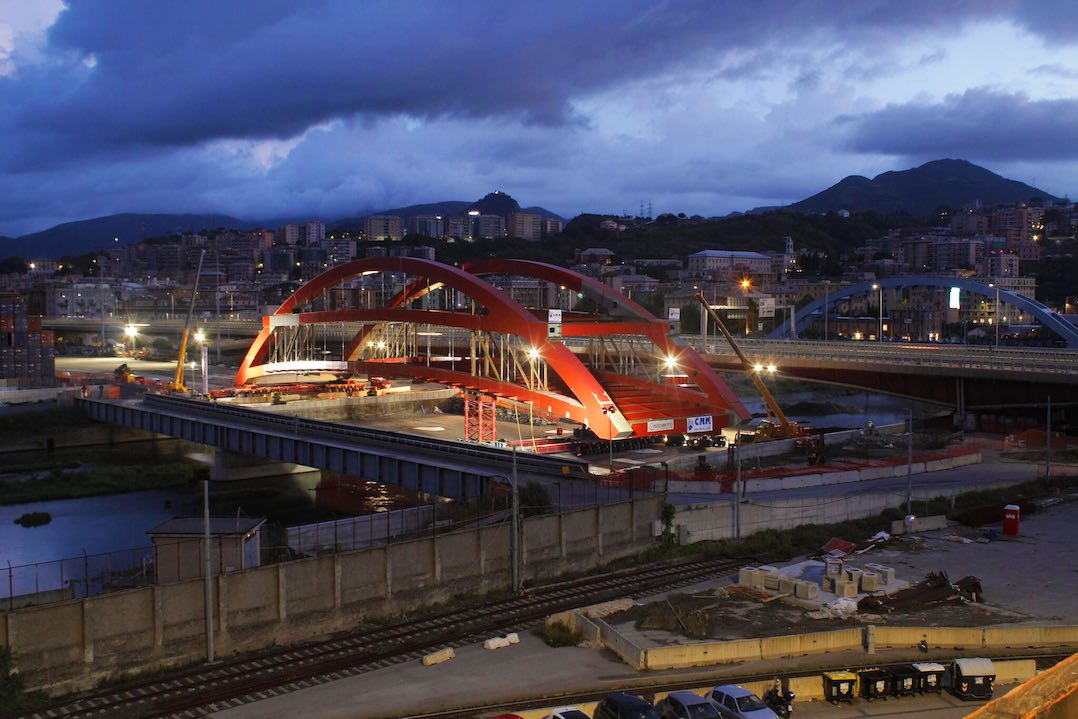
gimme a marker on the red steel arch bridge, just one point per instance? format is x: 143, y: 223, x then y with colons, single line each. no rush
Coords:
x: 487, y: 329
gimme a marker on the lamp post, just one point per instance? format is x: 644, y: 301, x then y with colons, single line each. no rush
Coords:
x: 879, y: 327
x: 745, y: 285
x: 207, y: 569
x: 995, y: 314
x: 826, y: 302
x: 200, y: 337
x: 131, y: 332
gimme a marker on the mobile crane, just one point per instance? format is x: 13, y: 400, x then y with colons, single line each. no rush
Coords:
x: 177, y: 384
x: 776, y: 425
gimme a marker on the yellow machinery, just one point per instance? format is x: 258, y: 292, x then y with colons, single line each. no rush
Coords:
x: 177, y: 384
x: 776, y: 426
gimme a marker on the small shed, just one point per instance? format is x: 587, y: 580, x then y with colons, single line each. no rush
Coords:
x: 235, y: 543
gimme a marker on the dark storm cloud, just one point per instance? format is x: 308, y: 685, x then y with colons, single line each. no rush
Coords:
x: 979, y: 124
x: 175, y: 74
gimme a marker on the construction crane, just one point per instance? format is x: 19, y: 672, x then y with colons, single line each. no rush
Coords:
x: 776, y: 426
x: 177, y: 384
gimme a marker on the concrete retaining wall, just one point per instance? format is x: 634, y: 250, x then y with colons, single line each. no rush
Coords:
x: 869, y: 637
x: 72, y: 645
x: 715, y: 520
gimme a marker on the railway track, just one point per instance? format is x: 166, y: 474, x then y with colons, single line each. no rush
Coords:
x: 200, y: 690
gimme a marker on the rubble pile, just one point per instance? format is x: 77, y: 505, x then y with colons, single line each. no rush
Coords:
x: 934, y: 590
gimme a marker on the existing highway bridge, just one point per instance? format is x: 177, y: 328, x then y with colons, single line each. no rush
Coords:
x: 438, y: 467
x: 965, y: 377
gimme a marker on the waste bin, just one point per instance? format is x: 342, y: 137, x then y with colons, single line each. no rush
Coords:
x: 931, y: 676
x: 1012, y: 515
x: 839, y: 686
x: 875, y: 683
x: 906, y: 680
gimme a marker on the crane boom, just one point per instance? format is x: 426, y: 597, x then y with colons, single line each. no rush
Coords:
x: 177, y: 384
x: 783, y: 426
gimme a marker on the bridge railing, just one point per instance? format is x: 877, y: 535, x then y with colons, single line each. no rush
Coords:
x: 294, y: 425
x: 967, y: 357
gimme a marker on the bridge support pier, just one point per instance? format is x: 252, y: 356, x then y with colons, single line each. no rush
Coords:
x: 960, y: 402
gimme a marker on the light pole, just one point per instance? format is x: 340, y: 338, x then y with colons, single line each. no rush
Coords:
x: 879, y: 327
x: 995, y: 314
x: 909, y: 465
x: 609, y: 412
x: 514, y: 539
x: 745, y: 285
x: 200, y: 337
x: 207, y: 568
x: 826, y: 302
x: 131, y: 332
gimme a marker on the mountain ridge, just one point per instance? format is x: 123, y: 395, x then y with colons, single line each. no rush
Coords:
x: 952, y: 183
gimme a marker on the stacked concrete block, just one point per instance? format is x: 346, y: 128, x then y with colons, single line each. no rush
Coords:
x: 854, y: 575
x: 786, y: 585
x: 771, y: 577
x: 752, y: 577
x: 845, y: 588
x: 887, y: 574
x: 833, y: 566
x: 806, y: 590
x: 870, y: 581
x: 828, y: 582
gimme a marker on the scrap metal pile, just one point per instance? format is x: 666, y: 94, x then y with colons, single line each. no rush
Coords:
x: 935, y: 589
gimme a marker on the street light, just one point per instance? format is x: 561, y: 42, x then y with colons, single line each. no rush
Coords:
x: 879, y: 328
x: 826, y: 302
x: 131, y: 332
x: 200, y: 337
x: 745, y: 285
x: 609, y: 412
x: 995, y: 313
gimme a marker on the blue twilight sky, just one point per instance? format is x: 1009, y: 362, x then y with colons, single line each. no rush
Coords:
x: 268, y: 108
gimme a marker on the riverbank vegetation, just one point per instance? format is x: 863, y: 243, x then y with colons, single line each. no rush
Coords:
x: 94, y: 481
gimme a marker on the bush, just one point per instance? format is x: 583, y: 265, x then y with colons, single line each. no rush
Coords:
x: 13, y: 693
x: 559, y: 634
x: 34, y: 519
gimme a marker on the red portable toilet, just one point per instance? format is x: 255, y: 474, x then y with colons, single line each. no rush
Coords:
x: 1012, y: 513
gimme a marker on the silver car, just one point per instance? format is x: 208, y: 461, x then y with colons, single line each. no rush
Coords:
x: 737, y: 702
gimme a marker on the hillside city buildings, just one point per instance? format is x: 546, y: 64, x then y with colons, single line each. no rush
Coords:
x: 248, y: 272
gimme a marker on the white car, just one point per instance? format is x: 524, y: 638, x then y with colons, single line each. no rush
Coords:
x: 568, y: 713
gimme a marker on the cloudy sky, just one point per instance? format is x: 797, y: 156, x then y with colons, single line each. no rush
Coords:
x: 274, y: 107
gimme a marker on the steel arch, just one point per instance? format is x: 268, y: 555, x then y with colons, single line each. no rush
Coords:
x: 589, y: 402
x: 1049, y: 319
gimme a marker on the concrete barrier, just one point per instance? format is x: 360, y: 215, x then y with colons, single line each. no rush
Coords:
x: 796, y: 645
x: 623, y: 647
x: 701, y: 654
x: 1030, y: 636
x: 937, y: 637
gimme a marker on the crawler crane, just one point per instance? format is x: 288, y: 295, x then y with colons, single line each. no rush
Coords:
x: 776, y: 425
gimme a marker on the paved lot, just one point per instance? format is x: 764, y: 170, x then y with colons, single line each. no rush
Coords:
x: 531, y: 668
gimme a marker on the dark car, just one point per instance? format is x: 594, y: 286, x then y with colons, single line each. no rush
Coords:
x: 625, y: 706
x: 687, y: 705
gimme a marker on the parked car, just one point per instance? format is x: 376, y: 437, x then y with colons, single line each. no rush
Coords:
x: 737, y: 702
x: 567, y: 713
x: 687, y: 705
x: 625, y: 706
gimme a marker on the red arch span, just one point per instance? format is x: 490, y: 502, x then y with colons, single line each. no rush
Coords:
x: 506, y: 316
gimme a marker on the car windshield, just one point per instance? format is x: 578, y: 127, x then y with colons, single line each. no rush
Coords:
x: 703, y: 711
x: 573, y: 714
x: 750, y: 703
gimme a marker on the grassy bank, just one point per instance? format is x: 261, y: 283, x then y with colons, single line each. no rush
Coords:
x: 100, y: 480
x: 780, y: 545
